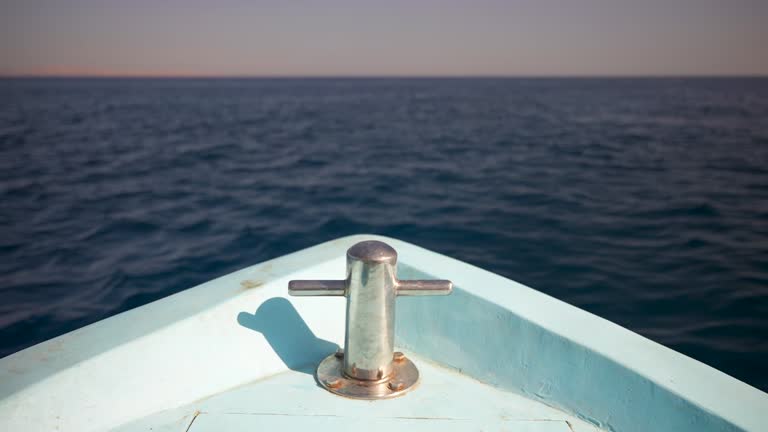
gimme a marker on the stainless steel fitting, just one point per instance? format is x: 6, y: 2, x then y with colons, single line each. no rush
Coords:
x: 368, y: 367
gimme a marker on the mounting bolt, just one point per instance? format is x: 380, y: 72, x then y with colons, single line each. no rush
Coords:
x: 395, y: 385
x: 339, y: 353
x: 398, y: 357
x: 333, y: 383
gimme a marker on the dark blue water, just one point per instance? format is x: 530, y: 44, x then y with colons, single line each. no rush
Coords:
x: 644, y: 201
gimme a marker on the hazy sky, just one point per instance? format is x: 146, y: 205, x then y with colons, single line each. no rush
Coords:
x: 332, y: 37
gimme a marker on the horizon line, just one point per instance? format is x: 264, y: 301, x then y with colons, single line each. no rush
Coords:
x: 371, y: 76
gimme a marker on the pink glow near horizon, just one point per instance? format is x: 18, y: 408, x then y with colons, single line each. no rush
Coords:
x: 271, y: 38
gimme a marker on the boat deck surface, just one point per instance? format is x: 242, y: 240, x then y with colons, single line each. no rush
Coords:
x: 237, y: 353
x: 444, y: 401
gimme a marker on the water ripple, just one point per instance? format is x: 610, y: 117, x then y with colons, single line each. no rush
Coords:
x: 643, y: 201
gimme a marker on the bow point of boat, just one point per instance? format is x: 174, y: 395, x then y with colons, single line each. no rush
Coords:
x: 239, y: 353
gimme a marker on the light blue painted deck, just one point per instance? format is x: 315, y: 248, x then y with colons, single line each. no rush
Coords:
x: 238, y: 354
x: 445, y: 400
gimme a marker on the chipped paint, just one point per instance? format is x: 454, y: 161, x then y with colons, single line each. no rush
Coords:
x: 249, y: 284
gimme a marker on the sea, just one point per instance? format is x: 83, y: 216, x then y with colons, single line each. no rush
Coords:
x: 641, y: 200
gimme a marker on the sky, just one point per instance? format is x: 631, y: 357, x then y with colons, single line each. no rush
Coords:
x: 383, y: 38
